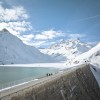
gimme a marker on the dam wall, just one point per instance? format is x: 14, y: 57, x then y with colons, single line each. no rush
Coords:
x: 76, y: 84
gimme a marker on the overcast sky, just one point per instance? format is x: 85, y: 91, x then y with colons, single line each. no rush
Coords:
x: 44, y: 22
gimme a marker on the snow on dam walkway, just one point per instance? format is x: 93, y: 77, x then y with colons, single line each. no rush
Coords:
x: 77, y: 83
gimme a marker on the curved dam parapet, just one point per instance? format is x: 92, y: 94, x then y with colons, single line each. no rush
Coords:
x: 75, y: 84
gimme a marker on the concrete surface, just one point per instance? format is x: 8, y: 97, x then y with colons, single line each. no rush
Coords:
x: 74, y: 84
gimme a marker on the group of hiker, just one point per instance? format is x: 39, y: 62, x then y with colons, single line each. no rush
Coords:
x: 49, y: 74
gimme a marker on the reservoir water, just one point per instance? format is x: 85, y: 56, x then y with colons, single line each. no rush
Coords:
x: 9, y: 74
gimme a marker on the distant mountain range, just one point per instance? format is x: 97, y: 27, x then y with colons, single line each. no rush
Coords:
x: 65, y: 50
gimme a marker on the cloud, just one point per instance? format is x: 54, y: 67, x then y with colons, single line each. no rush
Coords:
x: 13, y: 14
x: 37, y: 43
x: 49, y: 34
x: 74, y: 36
x: 41, y: 43
x: 16, y: 27
x: 46, y: 38
x: 26, y: 38
x: 15, y: 19
x: 88, y: 18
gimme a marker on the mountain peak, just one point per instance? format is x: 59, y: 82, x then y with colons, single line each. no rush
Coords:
x: 62, y: 41
x: 75, y: 39
x: 4, y: 30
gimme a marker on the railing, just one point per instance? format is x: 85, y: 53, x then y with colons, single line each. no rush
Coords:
x: 17, y: 82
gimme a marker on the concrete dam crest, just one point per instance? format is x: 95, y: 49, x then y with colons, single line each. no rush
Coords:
x: 77, y: 84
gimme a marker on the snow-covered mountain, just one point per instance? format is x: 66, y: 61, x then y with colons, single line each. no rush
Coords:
x: 14, y: 51
x: 67, y: 50
x: 93, y: 55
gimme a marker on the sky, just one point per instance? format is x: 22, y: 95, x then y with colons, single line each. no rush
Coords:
x: 42, y: 23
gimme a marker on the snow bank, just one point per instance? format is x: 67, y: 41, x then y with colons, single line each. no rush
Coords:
x: 53, y: 65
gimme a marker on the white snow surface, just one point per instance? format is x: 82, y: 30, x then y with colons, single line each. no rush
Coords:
x: 14, y: 51
x: 67, y: 50
x: 54, y: 65
x: 93, y: 55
